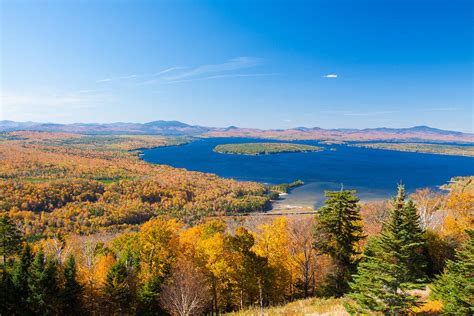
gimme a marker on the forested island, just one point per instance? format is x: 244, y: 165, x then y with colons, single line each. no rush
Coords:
x: 440, y: 149
x: 254, y: 149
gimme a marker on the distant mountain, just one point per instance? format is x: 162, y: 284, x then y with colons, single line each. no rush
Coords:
x: 416, y: 129
x: 152, y: 128
x: 176, y: 128
x: 162, y: 124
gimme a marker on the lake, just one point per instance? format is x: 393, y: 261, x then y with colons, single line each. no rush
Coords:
x: 373, y: 173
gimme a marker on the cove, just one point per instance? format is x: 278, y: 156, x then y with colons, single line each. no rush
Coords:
x: 373, y: 173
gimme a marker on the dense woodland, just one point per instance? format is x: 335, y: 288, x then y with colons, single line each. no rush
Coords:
x: 54, y: 183
x: 88, y: 228
x: 254, y: 149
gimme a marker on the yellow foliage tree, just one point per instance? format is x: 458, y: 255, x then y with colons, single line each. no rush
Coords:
x: 273, y: 243
x: 159, y: 245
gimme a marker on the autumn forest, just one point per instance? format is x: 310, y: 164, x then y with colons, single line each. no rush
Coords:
x: 88, y: 227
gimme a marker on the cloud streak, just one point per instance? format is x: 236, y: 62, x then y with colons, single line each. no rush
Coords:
x: 180, y: 74
x: 230, y: 65
x: 330, y: 76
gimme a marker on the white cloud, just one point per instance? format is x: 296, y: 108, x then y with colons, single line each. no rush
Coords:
x: 167, y: 70
x: 180, y: 74
x: 117, y: 78
x: 230, y: 65
x: 330, y: 76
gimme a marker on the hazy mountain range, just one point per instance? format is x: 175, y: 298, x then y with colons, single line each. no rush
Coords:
x: 176, y: 128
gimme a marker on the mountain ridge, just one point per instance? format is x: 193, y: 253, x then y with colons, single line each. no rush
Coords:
x: 177, y: 128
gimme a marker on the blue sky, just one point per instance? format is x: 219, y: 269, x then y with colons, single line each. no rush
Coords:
x: 267, y: 64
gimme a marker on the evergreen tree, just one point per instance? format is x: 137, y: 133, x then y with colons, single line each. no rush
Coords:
x: 10, y: 240
x: 455, y: 287
x: 70, y: 298
x: 7, y: 296
x: 19, y: 277
x: 148, y: 296
x: 414, y: 247
x: 42, y: 283
x: 393, y: 264
x: 337, y: 233
x: 116, y: 288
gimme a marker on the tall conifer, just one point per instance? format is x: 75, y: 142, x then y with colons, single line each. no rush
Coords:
x: 116, y: 288
x: 393, y: 264
x: 20, y: 277
x: 42, y: 283
x: 337, y: 233
x: 455, y: 287
x: 72, y: 289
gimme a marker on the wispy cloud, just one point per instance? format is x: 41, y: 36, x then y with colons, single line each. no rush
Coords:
x: 227, y: 76
x: 180, y: 74
x: 330, y: 76
x: 117, y: 78
x: 167, y: 70
x: 230, y: 65
x: 242, y: 75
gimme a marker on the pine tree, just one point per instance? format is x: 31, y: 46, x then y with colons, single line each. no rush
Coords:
x: 10, y: 240
x: 393, y: 264
x: 415, y: 246
x: 116, y: 287
x: 148, y: 296
x: 70, y: 298
x: 20, y: 276
x: 42, y: 283
x: 337, y: 233
x: 10, y: 244
x: 455, y: 287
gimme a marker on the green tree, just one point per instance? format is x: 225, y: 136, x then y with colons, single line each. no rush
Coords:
x: 337, y: 233
x: 10, y: 240
x: 392, y: 265
x: 70, y: 294
x: 10, y: 244
x: 20, y: 276
x: 414, y: 248
x: 455, y: 287
x: 116, y: 288
x: 251, y: 273
x: 148, y: 296
x: 43, y: 285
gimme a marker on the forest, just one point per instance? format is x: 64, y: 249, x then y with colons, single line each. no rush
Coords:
x: 264, y: 148
x: 440, y: 149
x: 86, y: 227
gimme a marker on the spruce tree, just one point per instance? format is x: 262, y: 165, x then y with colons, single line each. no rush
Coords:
x: 337, y: 233
x: 20, y: 277
x: 455, y: 287
x: 116, y: 288
x: 415, y: 247
x: 10, y: 244
x: 42, y: 283
x: 70, y: 298
x: 393, y: 264
x: 10, y: 240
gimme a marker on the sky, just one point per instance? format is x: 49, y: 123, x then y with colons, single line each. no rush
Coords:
x: 260, y: 64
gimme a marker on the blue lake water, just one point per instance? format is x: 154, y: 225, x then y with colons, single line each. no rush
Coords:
x: 373, y: 173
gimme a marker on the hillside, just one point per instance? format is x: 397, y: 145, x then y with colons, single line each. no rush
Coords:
x: 61, y: 183
x: 176, y: 128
